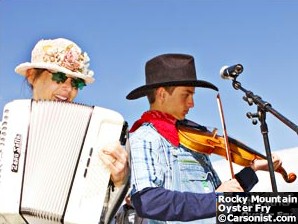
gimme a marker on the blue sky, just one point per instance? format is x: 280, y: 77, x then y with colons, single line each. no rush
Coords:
x: 120, y: 36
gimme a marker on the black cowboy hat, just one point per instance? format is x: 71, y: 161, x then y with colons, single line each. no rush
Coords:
x: 169, y: 70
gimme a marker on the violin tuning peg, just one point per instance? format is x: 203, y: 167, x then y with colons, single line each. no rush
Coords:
x: 254, y: 121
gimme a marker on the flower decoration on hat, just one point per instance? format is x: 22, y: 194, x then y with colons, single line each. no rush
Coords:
x: 59, y: 55
x: 68, y: 57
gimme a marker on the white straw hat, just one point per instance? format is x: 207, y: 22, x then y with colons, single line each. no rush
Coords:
x: 59, y: 55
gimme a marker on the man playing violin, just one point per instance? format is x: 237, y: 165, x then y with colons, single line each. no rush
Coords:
x: 169, y: 181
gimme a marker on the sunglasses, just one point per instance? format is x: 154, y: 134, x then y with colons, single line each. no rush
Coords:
x: 60, y: 77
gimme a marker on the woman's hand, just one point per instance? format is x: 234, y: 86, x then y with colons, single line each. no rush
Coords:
x: 115, y: 157
x: 262, y: 164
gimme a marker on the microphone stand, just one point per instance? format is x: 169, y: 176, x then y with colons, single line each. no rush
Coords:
x: 264, y: 107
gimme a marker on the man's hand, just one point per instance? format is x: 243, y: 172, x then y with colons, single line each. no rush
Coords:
x: 230, y: 186
x: 262, y: 164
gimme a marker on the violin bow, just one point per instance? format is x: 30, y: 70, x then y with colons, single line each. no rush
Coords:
x: 225, y: 135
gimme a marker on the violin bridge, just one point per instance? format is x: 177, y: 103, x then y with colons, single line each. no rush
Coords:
x: 214, y: 132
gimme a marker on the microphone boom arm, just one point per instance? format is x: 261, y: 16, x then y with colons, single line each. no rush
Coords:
x: 263, y: 105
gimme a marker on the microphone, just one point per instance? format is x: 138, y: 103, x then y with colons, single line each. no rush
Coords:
x: 231, y: 72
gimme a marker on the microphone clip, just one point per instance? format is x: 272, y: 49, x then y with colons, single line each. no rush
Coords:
x: 231, y: 72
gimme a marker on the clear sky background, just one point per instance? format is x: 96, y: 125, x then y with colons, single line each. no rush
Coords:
x: 120, y: 36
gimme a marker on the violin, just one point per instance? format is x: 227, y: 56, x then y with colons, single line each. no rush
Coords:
x: 199, y: 139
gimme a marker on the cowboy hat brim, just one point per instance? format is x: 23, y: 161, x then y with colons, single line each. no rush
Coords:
x: 143, y: 90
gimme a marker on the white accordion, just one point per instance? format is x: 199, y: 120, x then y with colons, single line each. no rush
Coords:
x: 50, y: 170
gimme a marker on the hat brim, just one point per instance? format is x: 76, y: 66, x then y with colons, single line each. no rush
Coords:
x: 143, y: 90
x: 22, y: 69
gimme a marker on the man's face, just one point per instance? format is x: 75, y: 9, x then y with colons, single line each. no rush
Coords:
x: 44, y: 88
x: 179, y: 102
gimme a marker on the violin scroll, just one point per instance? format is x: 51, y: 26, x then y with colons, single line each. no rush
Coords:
x: 289, y: 178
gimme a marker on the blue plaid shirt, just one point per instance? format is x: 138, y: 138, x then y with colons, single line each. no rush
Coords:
x: 170, y: 183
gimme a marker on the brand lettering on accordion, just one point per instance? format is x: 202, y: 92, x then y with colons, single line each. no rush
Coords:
x: 16, y: 153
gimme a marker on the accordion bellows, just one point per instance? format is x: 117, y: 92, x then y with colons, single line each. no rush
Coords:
x: 50, y: 171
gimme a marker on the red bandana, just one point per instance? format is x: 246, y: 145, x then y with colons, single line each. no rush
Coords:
x: 164, y: 124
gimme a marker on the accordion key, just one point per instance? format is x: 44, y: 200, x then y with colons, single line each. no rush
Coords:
x: 50, y: 170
